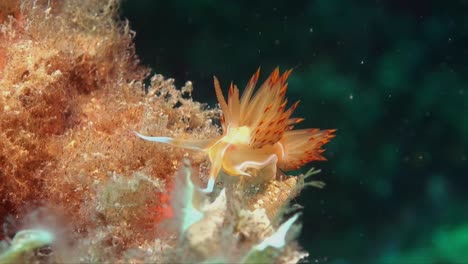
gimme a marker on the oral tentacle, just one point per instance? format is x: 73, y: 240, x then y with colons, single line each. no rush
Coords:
x: 201, y: 145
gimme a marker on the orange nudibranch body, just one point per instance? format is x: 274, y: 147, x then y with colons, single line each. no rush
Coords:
x: 258, y: 132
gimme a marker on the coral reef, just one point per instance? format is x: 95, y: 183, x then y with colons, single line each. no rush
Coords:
x: 75, y: 179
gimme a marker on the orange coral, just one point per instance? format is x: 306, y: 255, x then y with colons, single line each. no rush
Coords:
x: 257, y: 132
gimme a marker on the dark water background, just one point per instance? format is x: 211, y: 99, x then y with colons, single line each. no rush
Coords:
x: 391, y: 76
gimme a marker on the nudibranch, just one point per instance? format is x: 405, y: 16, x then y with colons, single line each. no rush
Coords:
x: 258, y: 132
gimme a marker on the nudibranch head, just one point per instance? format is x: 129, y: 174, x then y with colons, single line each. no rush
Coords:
x: 258, y: 132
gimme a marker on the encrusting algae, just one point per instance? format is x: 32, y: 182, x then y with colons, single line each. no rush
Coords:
x: 78, y: 186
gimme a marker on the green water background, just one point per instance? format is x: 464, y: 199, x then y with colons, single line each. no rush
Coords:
x: 391, y: 76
